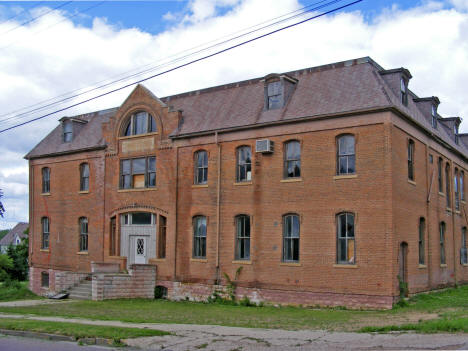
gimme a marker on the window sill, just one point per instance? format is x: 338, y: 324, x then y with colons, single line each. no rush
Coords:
x: 457, y: 212
x: 448, y: 209
x: 464, y: 264
x: 412, y: 182
x: 202, y: 260
x: 443, y: 265
x: 291, y: 264
x: 199, y: 186
x: 292, y: 180
x: 83, y: 192
x: 344, y: 265
x: 422, y: 266
x: 136, y: 189
x: 82, y: 253
x: 345, y: 176
x: 137, y: 136
x: 45, y: 194
x: 441, y: 194
x: 44, y: 250
x: 242, y: 183
x: 242, y: 262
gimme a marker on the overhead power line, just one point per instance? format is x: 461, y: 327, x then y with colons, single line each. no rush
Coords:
x: 21, y: 12
x: 184, y: 65
x: 106, y: 83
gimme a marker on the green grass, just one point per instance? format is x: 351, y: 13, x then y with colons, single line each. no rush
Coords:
x: 431, y: 326
x: 78, y: 331
x: 13, y: 293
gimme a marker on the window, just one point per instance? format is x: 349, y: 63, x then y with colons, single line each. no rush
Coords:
x: 291, y: 234
x: 421, y: 242
x: 346, y: 249
x: 439, y: 170
x: 83, y: 234
x: 292, y: 159
x: 462, y: 185
x: 244, y: 164
x: 201, y: 167
x: 138, y: 218
x: 431, y: 158
x: 46, y: 180
x: 138, y: 173
x: 199, y: 237
x: 447, y: 184
x: 84, y: 177
x: 67, y: 131
x: 44, y: 279
x: 140, y: 123
x: 275, y: 94
x: 346, y: 162
x: 45, y: 233
x: 442, y: 242
x: 434, y: 117
x: 162, y: 237
x: 411, y: 159
x: 404, y: 91
x: 456, y: 190
x: 113, y: 237
x: 455, y: 132
x: 242, y: 237
x: 464, y: 249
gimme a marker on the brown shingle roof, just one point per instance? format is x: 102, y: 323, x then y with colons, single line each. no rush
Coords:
x: 17, y: 230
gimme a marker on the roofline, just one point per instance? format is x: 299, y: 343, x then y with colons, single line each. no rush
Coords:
x: 69, y: 152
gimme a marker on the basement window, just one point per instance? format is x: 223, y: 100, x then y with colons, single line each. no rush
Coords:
x: 44, y: 279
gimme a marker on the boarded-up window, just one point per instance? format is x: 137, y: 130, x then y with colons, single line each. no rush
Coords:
x: 346, y: 249
x: 138, y: 173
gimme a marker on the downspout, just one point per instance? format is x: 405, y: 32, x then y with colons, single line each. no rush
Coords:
x: 31, y: 211
x: 104, y: 210
x: 428, y: 227
x: 452, y: 175
x: 218, y: 209
x: 176, y: 214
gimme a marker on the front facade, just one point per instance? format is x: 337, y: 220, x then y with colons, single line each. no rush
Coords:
x: 330, y: 185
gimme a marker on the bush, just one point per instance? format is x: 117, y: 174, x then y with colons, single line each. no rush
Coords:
x: 19, y: 257
x: 6, y: 264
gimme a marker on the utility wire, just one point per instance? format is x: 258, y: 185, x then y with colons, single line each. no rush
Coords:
x: 301, y: 12
x: 36, y: 18
x: 21, y: 12
x: 183, y: 65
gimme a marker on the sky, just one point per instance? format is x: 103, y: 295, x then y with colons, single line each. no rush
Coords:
x: 53, y: 50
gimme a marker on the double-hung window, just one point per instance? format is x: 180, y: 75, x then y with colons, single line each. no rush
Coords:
x: 410, y: 159
x: 439, y: 173
x: 84, y: 177
x: 199, y: 237
x: 242, y: 237
x: 291, y: 236
x: 346, y: 157
x: 421, y: 242
x: 46, y: 180
x: 404, y: 91
x: 83, y: 242
x: 45, y: 233
x: 456, y: 188
x: 447, y: 184
x: 442, y: 242
x: 346, y: 248
x: 464, y: 249
x: 244, y: 164
x: 292, y: 159
x: 201, y: 167
x: 138, y: 173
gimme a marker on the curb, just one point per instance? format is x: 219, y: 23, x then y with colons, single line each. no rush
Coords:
x: 56, y: 337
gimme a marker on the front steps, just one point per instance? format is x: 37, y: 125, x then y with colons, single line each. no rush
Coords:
x: 82, y: 291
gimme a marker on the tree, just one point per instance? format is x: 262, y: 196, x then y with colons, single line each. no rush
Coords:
x: 2, y: 209
x: 5, y: 265
x: 19, y: 257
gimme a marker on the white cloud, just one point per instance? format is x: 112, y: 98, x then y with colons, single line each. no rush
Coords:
x: 429, y: 40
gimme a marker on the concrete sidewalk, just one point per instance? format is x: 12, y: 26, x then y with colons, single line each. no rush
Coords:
x: 211, y: 337
x: 21, y: 303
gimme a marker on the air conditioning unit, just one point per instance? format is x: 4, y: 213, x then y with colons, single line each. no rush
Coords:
x: 264, y: 146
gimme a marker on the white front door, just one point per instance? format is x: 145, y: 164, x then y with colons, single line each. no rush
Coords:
x: 140, y: 250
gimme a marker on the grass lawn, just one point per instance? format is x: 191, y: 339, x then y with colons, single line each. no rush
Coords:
x: 77, y: 330
x: 20, y: 292
x: 443, y: 311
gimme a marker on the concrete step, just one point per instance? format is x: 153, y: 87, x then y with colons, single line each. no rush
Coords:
x: 81, y: 291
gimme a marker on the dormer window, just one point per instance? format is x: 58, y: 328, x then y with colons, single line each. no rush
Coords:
x: 275, y: 95
x: 434, y: 117
x: 455, y: 132
x: 67, y: 131
x: 278, y: 89
x: 140, y: 123
x: 404, y: 91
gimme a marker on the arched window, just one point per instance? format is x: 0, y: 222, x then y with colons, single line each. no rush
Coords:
x: 201, y: 167
x: 199, y: 237
x: 45, y: 180
x: 464, y: 249
x: 45, y: 233
x: 84, y: 177
x: 242, y: 237
x: 140, y: 123
x: 346, y: 248
x: 462, y: 185
x: 447, y: 184
x: 442, y: 242
x: 421, y: 242
x: 291, y: 235
x: 346, y: 157
x: 244, y: 164
x: 410, y: 159
x: 83, y: 242
x: 456, y: 190
x: 440, y: 177
x: 292, y: 159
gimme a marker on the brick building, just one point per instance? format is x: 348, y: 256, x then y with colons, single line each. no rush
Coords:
x: 324, y: 184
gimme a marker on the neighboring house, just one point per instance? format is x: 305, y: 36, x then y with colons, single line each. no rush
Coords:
x: 14, y: 237
x: 325, y: 184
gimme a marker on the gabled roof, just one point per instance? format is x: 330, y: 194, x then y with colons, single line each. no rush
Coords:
x: 353, y: 86
x: 17, y: 230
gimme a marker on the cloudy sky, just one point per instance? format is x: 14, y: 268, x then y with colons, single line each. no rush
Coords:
x: 50, y: 51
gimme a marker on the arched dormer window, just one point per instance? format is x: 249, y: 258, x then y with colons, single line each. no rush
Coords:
x: 140, y: 123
